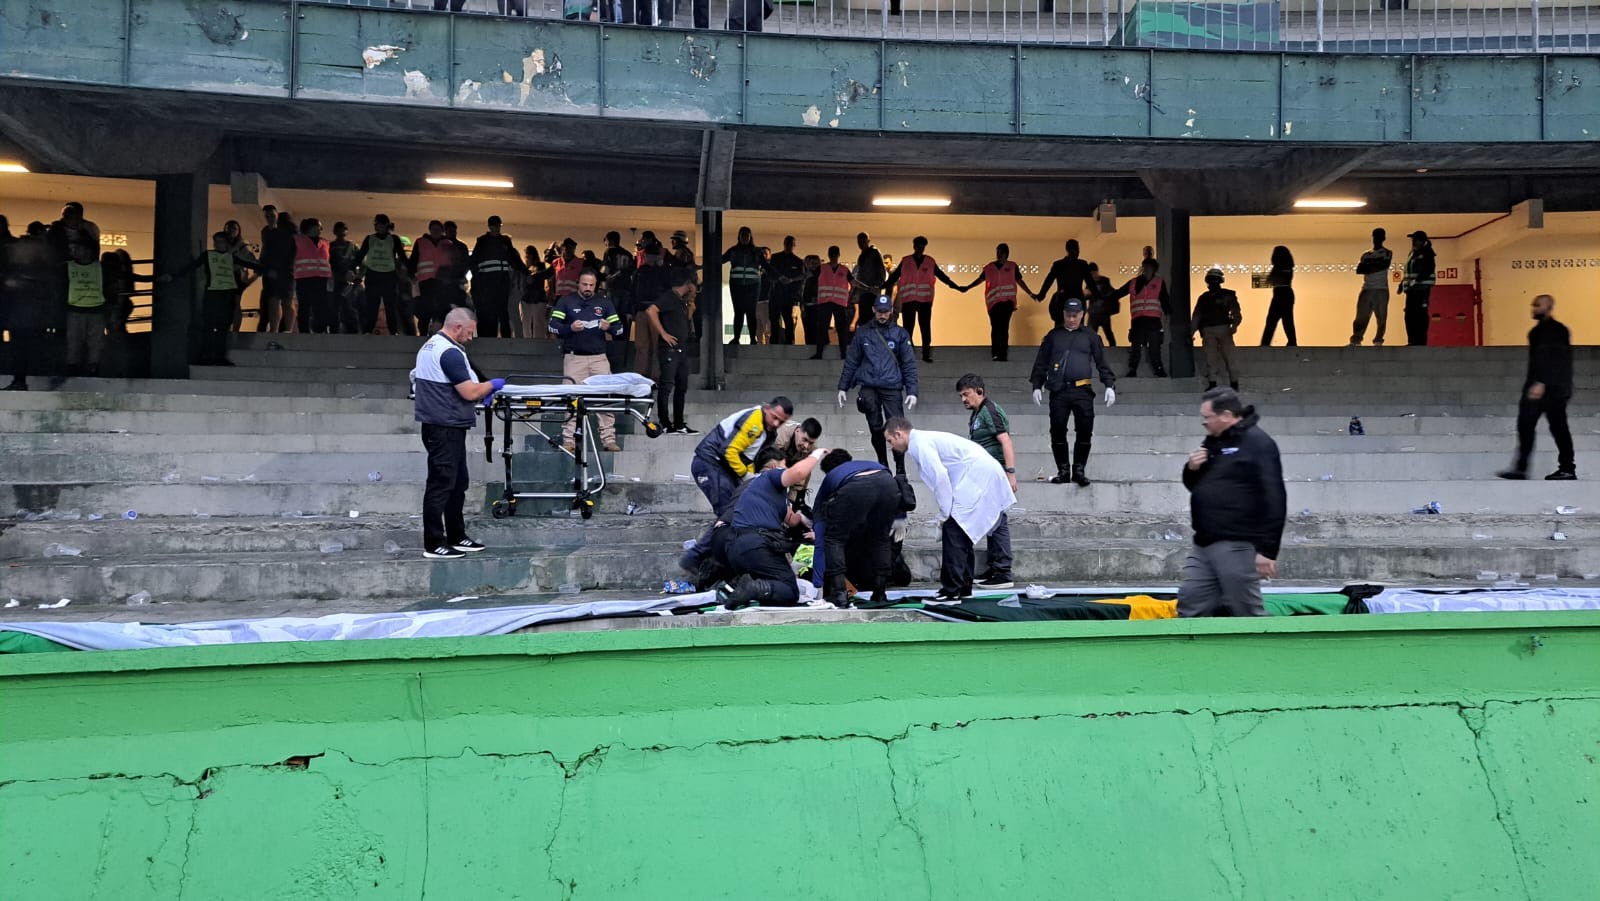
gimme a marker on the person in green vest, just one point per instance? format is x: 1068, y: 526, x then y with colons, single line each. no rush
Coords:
x: 746, y: 266
x: 220, y: 265
x: 86, y: 311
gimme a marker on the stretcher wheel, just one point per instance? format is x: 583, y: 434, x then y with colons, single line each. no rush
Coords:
x: 586, y: 508
x: 652, y: 429
x: 502, y: 509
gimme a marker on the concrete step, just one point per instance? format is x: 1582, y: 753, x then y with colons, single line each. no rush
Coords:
x: 372, y: 574
x: 151, y: 537
x: 263, y: 498
x: 839, y: 431
x: 399, y: 421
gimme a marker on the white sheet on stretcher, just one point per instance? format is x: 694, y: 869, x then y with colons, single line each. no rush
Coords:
x: 624, y: 384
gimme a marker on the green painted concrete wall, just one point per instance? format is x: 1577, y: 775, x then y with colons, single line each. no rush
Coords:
x: 1406, y: 757
x: 257, y: 47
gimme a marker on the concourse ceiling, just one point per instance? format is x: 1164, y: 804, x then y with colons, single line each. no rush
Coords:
x: 323, y: 145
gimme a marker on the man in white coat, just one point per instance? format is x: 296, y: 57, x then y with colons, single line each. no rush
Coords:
x: 973, y: 495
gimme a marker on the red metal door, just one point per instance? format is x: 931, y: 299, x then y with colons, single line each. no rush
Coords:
x: 1453, y: 311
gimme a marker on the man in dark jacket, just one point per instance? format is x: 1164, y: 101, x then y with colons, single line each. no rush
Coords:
x: 1417, y: 286
x: 744, y: 282
x: 788, y: 272
x: 881, y: 362
x: 1216, y: 317
x: 31, y: 294
x: 585, y: 322
x: 494, y: 258
x: 867, y: 278
x: 1545, y: 393
x: 1237, y: 505
x: 1069, y: 358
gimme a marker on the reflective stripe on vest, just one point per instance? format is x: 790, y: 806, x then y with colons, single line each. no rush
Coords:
x: 567, y: 276
x: 219, y: 272
x: 916, y: 282
x: 833, y: 285
x: 311, y: 258
x: 1000, y: 284
x: 1412, y: 280
x: 431, y: 257
x: 1145, y: 303
x: 380, y: 253
x: 85, y: 288
x: 493, y: 267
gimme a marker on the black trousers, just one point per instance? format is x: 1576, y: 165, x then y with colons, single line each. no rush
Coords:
x: 856, y: 521
x: 745, y: 298
x: 316, y: 311
x: 491, y: 297
x: 1280, y: 310
x: 1145, y: 334
x: 619, y: 352
x: 863, y: 301
x: 761, y: 560
x: 781, y: 308
x: 443, y: 521
x: 882, y: 405
x: 956, y: 560
x: 839, y: 318
x: 455, y: 5
x: 430, y: 298
x: 1417, y: 315
x: 383, y: 289
x: 914, y: 311
x: 1102, y: 323
x: 27, y: 349
x: 1067, y: 404
x: 673, y: 385
x: 1554, y: 411
x: 216, y: 321
x: 1000, y: 330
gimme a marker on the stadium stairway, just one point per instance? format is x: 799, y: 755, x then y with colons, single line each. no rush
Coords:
x: 297, y: 475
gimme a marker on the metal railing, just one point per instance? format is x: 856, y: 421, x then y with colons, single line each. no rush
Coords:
x: 1332, y: 26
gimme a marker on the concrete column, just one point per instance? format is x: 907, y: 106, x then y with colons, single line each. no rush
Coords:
x: 1172, y: 249
x: 180, y: 232
x: 711, y: 364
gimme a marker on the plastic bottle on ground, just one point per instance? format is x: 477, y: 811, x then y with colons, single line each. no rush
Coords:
x: 138, y: 599
x: 62, y: 550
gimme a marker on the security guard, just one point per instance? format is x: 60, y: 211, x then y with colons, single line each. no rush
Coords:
x: 759, y: 548
x: 1068, y: 360
x: 916, y: 274
x: 381, y: 256
x: 724, y: 454
x: 744, y: 282
x: 494, y: 258
x: 881, y: 362
x: 583, y: 321
x: 1216, y: 317
x: 221, y: 264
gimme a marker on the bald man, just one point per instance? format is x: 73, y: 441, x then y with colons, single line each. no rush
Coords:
x: 1545, y: 392
x: 447, y: 395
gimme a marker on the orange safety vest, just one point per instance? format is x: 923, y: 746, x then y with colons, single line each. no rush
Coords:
x: 567, y: 276
x: 311, y: 258
x: 833, y: 285
x: 431, y: 257
x: 916, y: 282
x: 1000, y: 284
x: 1145, y: 303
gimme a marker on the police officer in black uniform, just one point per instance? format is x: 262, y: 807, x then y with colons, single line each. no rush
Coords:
x: 1069, y: 358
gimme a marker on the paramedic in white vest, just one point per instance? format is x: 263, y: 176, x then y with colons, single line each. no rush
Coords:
x: 972, y: 494
x: 447, y: 396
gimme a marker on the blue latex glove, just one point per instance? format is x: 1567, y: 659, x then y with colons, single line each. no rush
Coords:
x: 497, y: 384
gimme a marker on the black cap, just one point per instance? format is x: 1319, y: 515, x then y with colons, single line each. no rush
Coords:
x: 1418, y: 234
x: 1073, y: 305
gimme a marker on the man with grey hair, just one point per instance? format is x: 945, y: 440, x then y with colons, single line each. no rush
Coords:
x: 447, y: 395
x: 1237, y: 505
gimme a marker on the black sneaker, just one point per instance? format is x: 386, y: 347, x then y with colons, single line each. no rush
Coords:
x: 468, y: 546
x: 1562, y: 475
x: 1061, y: 477
x: 686, y: 429
x: 946, y: 598
x: 1515, y: 475
x: 16, y: 386
x: 443, y: 552
x: 990, y: 582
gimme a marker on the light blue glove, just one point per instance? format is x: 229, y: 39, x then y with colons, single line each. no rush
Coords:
x: 497, y: 384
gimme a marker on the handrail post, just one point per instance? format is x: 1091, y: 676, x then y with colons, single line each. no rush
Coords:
x: 1319, y: 25
x: 294, y: 49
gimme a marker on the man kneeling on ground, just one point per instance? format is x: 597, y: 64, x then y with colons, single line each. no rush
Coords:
x: 759, y: 545
x: 856, y: 509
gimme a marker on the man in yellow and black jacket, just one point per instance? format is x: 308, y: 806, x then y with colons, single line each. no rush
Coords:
x: 725, y: 453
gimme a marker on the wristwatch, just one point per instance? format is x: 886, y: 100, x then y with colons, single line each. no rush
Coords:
x: 1010, y: 470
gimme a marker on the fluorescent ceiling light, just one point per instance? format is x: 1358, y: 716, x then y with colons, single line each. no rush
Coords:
x: 1329, y: 203
x: 453, y: 181
x: 14, y: 168
x: 911, y: 201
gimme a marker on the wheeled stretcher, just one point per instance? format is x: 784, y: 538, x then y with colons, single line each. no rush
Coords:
x: 544, y: 408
